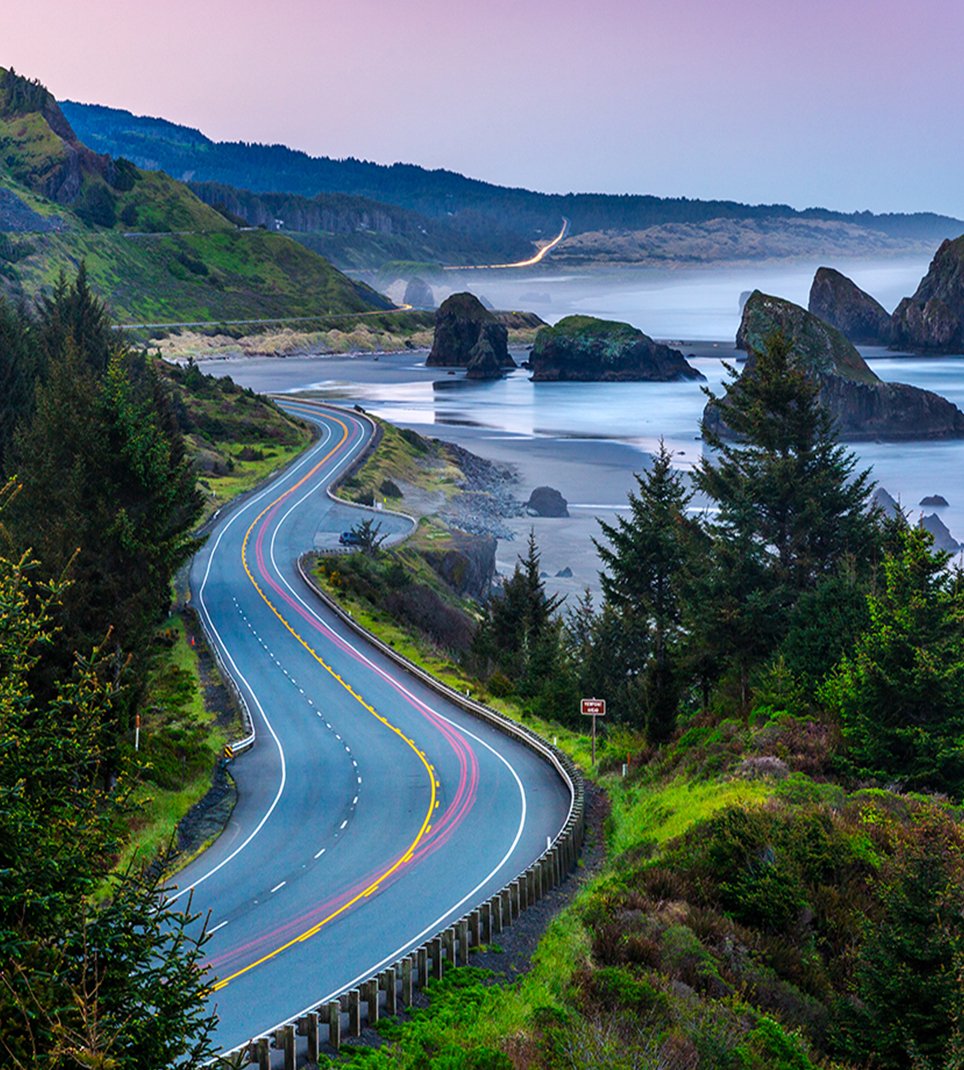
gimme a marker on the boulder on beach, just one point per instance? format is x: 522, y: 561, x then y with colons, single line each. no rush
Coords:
x: 547, y: 501
x: 863, y: 406
x: 943, y: 539
x: 461, y: 322
x: 586, y: 349
x: 840, y: 302
x: 937, y: 500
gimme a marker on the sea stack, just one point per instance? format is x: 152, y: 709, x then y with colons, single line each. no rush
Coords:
x: 933, y: 319
x: 586, y: 349
x: 464, y: 330
x: 840, y: 302
x: 862, y: 405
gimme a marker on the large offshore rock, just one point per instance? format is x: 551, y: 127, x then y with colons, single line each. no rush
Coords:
x: 943, y: 539
x: 933, y: 319
x: 460, y: 323
x: 862, y: 405
x: 483, y: 361
x: 547, y: 501
x: 586, y: 349
x: 840, y: 302
x: 418, y: 293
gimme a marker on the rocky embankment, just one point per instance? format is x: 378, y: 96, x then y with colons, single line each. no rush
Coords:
x: 586, y: 349
x: 839, y: 301
x: 862, y: 405
x: 468, y: 335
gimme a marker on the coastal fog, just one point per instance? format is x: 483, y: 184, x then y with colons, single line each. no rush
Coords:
x: 588, y: 439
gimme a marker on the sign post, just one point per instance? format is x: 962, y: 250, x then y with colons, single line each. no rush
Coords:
x: 593, y: 707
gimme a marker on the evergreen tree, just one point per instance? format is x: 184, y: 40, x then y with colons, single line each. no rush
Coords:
x: 19, y: 369
x: 519, y: 634
x: 115, y: 987
x: 900, y: 695
x: 785, y: 480
x: 791, y: 502
x: 644, y: 567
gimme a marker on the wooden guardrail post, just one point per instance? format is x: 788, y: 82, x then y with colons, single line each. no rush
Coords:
x: 372, y: 1000
x: 313, y: 1033
x: 463, y: 930
x: 389, y: 982
x: 334, y: 1024
x: 354, y: 1012
x: 284, y: 1039
x: 435, y: 950
x: 422, y: 979
x: 475, y: 927
x: 263, y: 1053
x: 448, y: 942
x: 407, y: 986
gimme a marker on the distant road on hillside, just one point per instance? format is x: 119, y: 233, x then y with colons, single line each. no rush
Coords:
x: 531, y: 262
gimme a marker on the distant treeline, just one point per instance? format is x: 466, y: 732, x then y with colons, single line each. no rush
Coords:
x: 477, y: 208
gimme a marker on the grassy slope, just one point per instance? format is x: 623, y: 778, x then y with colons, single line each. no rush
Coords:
x: 156, y: 251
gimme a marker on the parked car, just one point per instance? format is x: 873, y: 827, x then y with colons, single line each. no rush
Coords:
x: 350, y: 538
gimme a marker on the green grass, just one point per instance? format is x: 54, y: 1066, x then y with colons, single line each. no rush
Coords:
x: 173, y: 710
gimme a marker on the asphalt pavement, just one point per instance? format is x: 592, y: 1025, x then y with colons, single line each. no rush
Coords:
x: 371, y: 812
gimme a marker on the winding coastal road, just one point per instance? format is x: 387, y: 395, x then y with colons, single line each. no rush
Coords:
x: 371, y: 812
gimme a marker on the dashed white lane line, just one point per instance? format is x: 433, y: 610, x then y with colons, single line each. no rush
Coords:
x: 216, y: 927
x: 278, y: 887
x: 343, y: 824
x: 318, y: 854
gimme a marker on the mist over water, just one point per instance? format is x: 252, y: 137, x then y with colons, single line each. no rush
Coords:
x: 625, y: 421
x: 695, y: 304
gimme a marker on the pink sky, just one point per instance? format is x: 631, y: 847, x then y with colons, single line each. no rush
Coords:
x: 850, y: 104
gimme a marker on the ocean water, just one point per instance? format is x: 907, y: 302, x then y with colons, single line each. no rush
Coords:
x: 696, y: 305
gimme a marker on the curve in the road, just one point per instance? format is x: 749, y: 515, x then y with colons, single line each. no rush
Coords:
x: 378, y: 809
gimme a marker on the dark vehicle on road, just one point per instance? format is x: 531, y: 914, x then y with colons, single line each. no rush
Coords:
x: 350, y: 538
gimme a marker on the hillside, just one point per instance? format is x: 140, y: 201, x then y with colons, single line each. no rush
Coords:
x: 482, y: 212
x: 153, y: 249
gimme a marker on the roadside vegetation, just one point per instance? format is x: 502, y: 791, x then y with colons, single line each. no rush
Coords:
x: 784, y: 875
x: 112, y: 715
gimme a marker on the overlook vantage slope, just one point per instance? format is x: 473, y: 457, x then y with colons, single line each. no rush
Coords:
x: 153, y: 249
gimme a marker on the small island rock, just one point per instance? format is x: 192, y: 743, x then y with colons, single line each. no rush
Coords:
x: 937, y: 500
x: 840, y: 302
x: 586, y: 349
x: 460, y: 323
x: 547, y: 501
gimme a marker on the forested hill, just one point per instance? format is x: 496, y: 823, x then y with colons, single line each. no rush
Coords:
x: 188, y: 154
x: 153, y: 249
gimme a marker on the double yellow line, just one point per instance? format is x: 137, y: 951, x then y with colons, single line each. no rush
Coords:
x: 433, y: 784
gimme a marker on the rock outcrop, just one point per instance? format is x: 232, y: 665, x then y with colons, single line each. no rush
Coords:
x: 586, y: 349
x: 943, y: 539
x: 461, y: 324
x: 935, y: 500
x: 418, y: 293
x: 933, y: 319
x: 466, y: 564
x: 483, y: 361
x: 840, y: 302
x: 862, y: 405
x: 547, y: 501
x: 886, y: 503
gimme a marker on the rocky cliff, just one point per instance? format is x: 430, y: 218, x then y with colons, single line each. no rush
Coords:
x: 839, y: 301
x: 465, y: 330
x: 585, y: 349
x: 933, y: 319
x: 862, y: 405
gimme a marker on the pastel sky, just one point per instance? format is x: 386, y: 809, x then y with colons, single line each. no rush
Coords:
x: 850, y: 104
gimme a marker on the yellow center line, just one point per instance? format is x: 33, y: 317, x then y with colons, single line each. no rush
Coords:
x: 406, y: 855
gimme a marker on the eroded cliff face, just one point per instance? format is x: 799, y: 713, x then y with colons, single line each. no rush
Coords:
x: 862, y: 405
x: 932, y: 320
x: 465, y: 329
x: 586, y: 349
x: 839, y: 301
